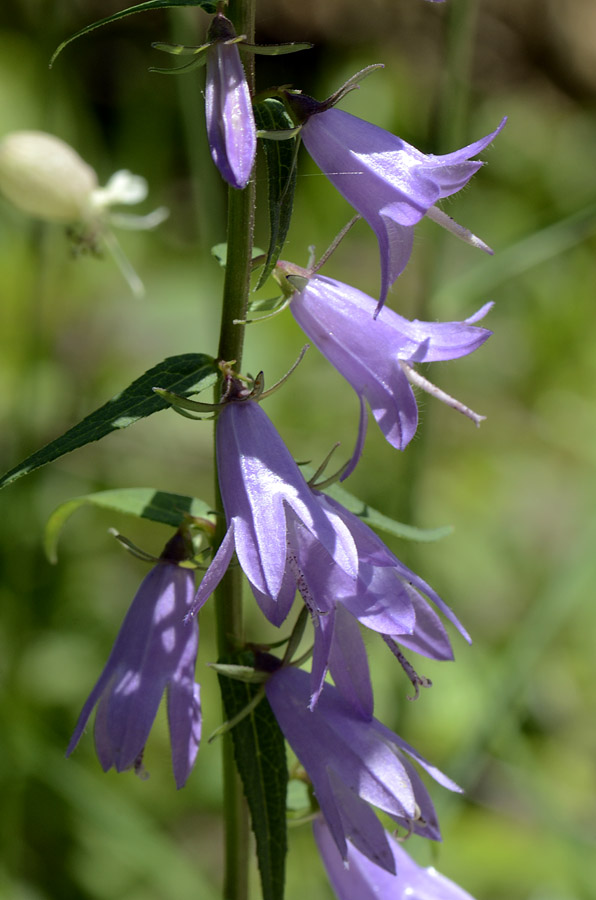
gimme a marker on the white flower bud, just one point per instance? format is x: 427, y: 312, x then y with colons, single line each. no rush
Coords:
x: 43, y: 176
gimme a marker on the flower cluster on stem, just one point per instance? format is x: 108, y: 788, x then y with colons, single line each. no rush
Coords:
x: 291, y: 539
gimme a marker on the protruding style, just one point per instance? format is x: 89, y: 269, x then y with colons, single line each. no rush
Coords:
x: 376, y: 356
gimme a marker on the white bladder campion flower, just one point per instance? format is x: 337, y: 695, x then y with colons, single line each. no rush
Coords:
x: 43, y: 176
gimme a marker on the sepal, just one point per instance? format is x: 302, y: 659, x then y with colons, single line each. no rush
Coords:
x: 277, y: 49
x: 247, y: 674
x: 147, y: 6
x: 302, y: 107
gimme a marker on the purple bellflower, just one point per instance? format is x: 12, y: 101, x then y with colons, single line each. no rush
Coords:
x: 353, y: 762
x: 230, y: 122
x: 361, y: 879
x: 155, y: 650
x: 268, y: 505
x: 386, y: 597
x: 376, y: 356
x: 388, y: 181
x: 290, y: 537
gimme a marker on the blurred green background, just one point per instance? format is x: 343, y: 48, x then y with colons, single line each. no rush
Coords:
x: 514, y: 720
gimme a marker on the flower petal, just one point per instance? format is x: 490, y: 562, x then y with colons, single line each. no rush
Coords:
x: 156, y: 647
x: 348, y: 664
x: 230, y: 122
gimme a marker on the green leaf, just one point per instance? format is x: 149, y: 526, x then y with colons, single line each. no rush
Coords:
x: 280, y: 157
x: 145, y: 503
x: 148, y: 6
x: 376, y: 519
x: 186, y: 374
x: 260, y: 754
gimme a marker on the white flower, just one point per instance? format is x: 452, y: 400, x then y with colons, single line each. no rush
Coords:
x: 43, y: 176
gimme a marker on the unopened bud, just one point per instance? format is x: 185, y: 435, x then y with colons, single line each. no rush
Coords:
x: 43, y: 176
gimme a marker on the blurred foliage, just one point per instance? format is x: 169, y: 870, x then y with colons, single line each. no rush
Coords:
x: 515, y: 719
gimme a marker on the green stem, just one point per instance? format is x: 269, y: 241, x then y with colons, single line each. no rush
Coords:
x: 228, y: 597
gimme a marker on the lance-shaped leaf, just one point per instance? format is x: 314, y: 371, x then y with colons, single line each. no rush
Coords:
x: 145, y: 503
x: 148, y: 6
x: 280, y: 157
x: 185, y: 375
x: 260, y: 754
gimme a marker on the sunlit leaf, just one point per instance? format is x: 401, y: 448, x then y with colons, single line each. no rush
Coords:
x: 145, y: 503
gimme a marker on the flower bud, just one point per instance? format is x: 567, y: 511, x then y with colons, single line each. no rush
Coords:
x: 43, y: 176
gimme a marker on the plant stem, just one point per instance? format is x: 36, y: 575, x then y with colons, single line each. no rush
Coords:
x: 228, y: 597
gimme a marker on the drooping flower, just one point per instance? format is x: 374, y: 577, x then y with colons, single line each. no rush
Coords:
x: 376, y: 356
x: 290, y: 537
x: 388, y: 181
x: 230, y: 122
x: 357, y: 878
x: 353, y: 762
x: 44, y: 177
x: 156, y: 650
x: 386, y: 597
x: 267, y: 504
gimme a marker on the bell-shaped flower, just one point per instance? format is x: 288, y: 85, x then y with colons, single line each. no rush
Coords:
x: 43, y: 176
x: 386, y: 597
x: 353, y: 762
x: 388, y: 181
x: 268, y: 507
x: 289, y: 537
x: 357, y: 878
x: 231, y: 126
x: 156, y: 650
x: 376, y: 356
